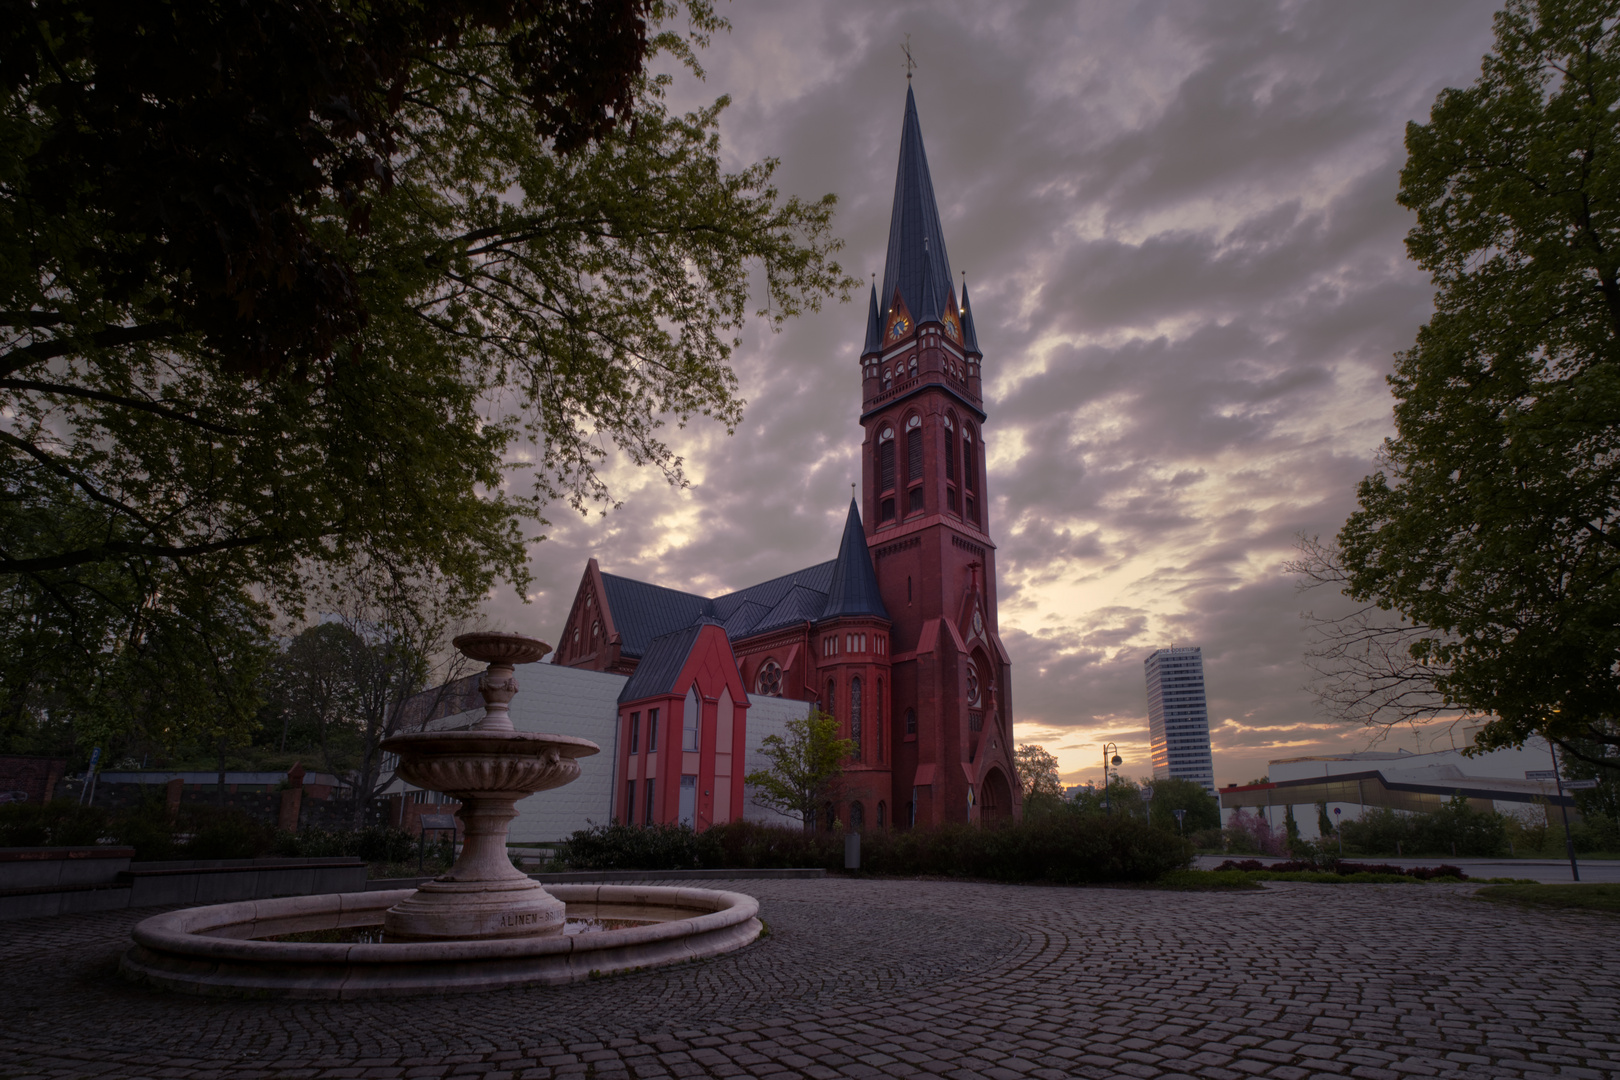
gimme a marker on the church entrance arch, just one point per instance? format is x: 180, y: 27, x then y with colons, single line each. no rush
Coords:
x: 995, y: 798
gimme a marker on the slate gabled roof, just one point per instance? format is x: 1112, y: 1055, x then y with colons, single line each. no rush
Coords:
x: 970, y: 337
x: 874, y: 327
x: 661, y: 663
x: 642, y: 612
x: 854, y: 586
x: 792, y: 598
x: 651, y: 619
x: 917, y: 264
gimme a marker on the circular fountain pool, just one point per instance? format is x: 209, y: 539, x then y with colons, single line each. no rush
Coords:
x: 243, y: 949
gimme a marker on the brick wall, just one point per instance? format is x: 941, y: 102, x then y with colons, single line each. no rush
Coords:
x: 35, y: 777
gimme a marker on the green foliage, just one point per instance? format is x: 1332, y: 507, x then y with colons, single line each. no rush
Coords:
x: 1492, y: 521
x: 1474, y: 833
x: 1203, y: 810
x: 55, y: 824
x: 1582, y: 897
x: 1066, y: 849
x: 374, y: 844
x: 803, y: 762
x: 637, y: 847
x: 1037, y: 771
x: 294, y: 294
x: 1206, y: 881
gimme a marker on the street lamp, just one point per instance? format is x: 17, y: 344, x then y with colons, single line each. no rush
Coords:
x: 1180, y: 813
x: 1147, y: 801
x: 1109, y: 748
x: 1337, y: 829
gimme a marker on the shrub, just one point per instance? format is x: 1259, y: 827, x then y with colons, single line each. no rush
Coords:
x: 638, y: 847
x: 376, y: 843
x: 54, y: 824
x: 1064, y: 848
x: 223, y: 833
x: 1456, y: 828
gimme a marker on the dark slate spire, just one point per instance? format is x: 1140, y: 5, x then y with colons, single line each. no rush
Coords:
x: 874, y: 328
x: 917, y: 263
x: 854, y: 587
x: 970, y: 339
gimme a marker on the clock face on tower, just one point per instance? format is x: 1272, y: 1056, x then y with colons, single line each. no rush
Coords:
x: 951, y: 327
x: 901, y: 325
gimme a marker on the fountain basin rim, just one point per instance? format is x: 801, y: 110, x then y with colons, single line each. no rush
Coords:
x: 489, y: 743
x: 181, y: 934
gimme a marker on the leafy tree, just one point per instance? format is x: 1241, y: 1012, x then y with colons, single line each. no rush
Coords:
x: 284, y: 288
x: 1037, y: 771
x: 1494, y: 520
x: 1172, y: 793
x: 803, y: 763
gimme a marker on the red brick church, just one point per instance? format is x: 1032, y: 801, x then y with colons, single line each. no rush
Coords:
x: 896, y: 636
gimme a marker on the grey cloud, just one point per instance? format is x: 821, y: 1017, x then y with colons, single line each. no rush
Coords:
x: 1190, y: 208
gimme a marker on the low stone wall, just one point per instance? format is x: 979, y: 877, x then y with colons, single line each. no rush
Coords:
x: 86, y: 882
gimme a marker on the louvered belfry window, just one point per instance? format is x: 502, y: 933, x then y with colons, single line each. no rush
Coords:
x: 914, y: 454
x: 886, y: 465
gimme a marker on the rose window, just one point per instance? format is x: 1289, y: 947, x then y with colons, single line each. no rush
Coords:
x: 769, y: 680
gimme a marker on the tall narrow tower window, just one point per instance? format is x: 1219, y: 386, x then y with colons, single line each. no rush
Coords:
x: 914, y: 464
x: 970, y: 479
x: 886, y: 475
x: 855, y: 715
x: 832, y: 692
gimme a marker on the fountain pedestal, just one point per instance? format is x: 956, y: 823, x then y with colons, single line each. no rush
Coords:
x: 488, y: 767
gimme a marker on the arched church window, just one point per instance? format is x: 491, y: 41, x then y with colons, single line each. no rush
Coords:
x: 972, y: 683
x: 830, y: 816
x: 857, y: 816
x: 769, y: 680
x: 912, y: 366
x: 877, y: 719
x: 914, y: 463
x: 882, y: 814
x: 596, y: 631
x: 886, y: 474
x: 855, y: 715
x: 911, y: 721
x: 970, y: 478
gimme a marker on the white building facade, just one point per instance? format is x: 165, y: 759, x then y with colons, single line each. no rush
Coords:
x: 1178, y: 715
x: 573, y: 701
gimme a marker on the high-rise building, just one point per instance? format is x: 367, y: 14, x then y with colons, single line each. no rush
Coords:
x: 1178, y: 715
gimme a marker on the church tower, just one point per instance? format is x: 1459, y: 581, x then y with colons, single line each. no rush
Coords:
x: 926, y: 518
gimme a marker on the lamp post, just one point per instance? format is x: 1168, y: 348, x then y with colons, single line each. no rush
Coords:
x: 1180, y: 813
x: 1147, y: 801
x: 1109, y: 748
x: 1336, y: 812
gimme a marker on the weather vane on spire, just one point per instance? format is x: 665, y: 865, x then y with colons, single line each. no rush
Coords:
x: 911, y: 65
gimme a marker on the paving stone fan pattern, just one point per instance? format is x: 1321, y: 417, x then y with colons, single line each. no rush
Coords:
x: 902, y: 978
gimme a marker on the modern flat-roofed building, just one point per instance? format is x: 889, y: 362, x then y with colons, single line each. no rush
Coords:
x: 1178, y: 715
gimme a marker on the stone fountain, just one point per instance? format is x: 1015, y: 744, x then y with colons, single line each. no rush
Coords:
x: 482, y: 925
x: 489, y: 767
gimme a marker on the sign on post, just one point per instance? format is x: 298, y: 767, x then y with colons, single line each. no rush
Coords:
x: 1541, y: 774
x: 1580, y: 785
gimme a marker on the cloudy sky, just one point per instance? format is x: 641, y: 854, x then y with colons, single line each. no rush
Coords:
x: 1179, y: 228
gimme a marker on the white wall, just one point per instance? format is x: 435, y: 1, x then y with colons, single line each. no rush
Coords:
x: 563, y: 701
x: 767, y: 716
x: 571, y: 701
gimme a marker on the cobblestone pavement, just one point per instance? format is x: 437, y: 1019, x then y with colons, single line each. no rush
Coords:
x: 903, y: 978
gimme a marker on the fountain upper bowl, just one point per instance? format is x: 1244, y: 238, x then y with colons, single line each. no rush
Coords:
x: 492, y: 647
x: 488, y: 761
